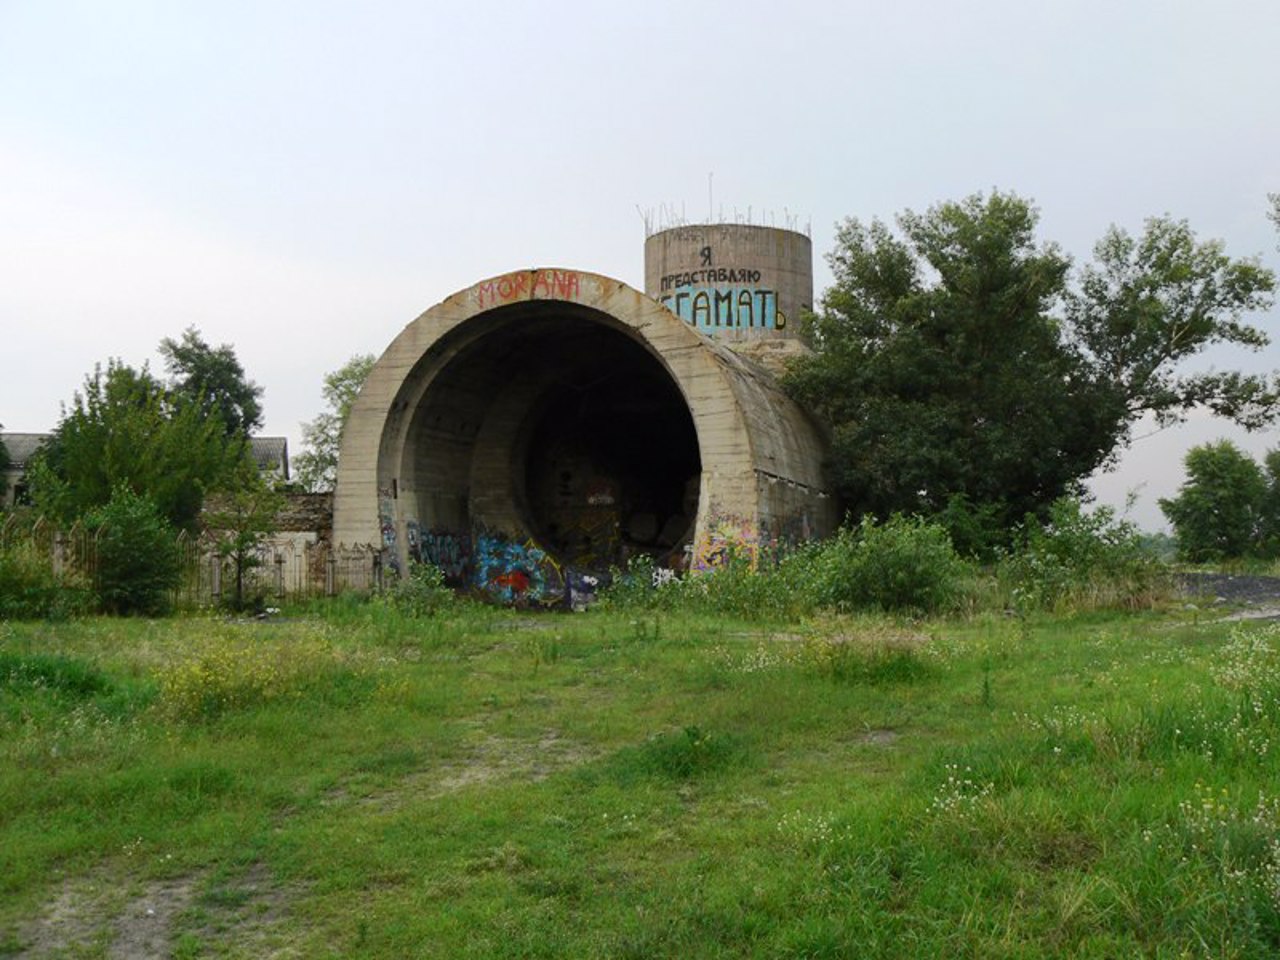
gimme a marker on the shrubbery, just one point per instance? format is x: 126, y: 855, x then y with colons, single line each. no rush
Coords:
x: 139, y: 564
x: 1081, y: 559
x: 29, y: 590
x: 908, y: 565
x: 420, y: 593
x: 905, y: 565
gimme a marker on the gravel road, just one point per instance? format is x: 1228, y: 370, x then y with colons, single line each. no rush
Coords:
x: 1259, y: 596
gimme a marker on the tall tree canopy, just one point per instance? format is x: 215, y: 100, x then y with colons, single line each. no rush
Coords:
x: 957, y: 357
x: 124, y: 429
x: 316, y: 468
x: 1228, y: 507
x: 212, y: 379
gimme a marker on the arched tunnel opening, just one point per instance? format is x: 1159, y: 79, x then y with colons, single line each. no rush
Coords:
x: 549, y: 424
x: 612, y: 466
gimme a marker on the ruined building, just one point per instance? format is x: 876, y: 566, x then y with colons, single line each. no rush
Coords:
x: 537, y: 428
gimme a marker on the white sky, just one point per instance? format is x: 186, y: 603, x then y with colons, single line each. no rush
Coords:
x: 301, y: 179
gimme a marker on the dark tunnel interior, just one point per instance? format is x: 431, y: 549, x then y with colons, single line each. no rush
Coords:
x: 612, y: 465
x: 554, y: 423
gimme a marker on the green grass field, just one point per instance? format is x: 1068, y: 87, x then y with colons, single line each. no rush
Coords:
x: 344, y: 782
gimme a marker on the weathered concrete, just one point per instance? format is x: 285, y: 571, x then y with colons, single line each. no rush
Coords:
x: 541, y: 425
x: 732, y: 281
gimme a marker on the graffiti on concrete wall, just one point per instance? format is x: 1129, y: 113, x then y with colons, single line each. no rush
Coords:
x: 721, y: 298
x: 413, y: 539
x: 528, y: 285
x: 590, y: 536
x: 449, y: 551
x: 387, y: 527
x: 516, y: 573
x: 709, y: 278
x: 729, y: 539
x: 790, y: 531
x: 581, y: 589
x: 726, y: 540
x: 726, y: 308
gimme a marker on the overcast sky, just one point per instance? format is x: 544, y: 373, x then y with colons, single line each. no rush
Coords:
x: 301, y: 179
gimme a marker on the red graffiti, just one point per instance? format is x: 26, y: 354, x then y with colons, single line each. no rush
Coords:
x: 516, y: 580
x: 528, y: 285
x: 556, y: 284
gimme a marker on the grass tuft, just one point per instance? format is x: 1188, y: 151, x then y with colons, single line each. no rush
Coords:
x: 685, y: 754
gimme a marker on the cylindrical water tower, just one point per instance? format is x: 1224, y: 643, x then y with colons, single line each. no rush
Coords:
x: 732, y: 281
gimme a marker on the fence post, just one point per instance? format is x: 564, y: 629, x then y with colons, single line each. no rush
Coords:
x: 215, y: 577
x: 330, y: 564
x: 279, y: 575
x: 59, y: 553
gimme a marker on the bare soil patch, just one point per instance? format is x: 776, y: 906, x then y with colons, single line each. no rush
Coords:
x: 101, y: 916
x: 491, y: 759
x: 105, y: 916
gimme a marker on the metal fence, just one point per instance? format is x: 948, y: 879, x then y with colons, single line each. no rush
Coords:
x: 287, y: 566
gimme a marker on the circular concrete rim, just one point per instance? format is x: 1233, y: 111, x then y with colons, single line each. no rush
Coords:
x: 367, y: 508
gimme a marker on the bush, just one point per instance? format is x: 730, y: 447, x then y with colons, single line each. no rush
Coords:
x: 1082, y: 559
x: 139, y: 563
x: 30, y: 591
x: 906, y: 564
x: 977, y: 530
x: 751, y: 591
x: 739, y: 587
x: 421, y: 593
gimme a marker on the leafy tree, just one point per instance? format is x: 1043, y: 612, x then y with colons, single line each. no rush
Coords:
x: 1217, y: 514
x: 316, y: 468
x: 958, y: 361
x: 138, y: 558
x: 1269, y: 510
x: 212, y: 379
x: 1149, y: 303
x: 239, y: 520
x: 122, y: 429
x: 942, y: 371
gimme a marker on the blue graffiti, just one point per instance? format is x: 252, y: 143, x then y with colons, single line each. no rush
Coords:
x: 449, y: 551
x: 515, y: 573
x: 726, y: 308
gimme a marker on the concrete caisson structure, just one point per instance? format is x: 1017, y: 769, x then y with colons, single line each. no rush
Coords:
x: 540, y: 426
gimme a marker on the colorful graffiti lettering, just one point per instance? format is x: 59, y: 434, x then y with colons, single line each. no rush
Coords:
x: 729, y: 539
x: 516, y: 573
x: 726, y: 308
x: 726, y: 540
x: 556, y: 284
x: 528, y: 285
x: 449, y: 551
